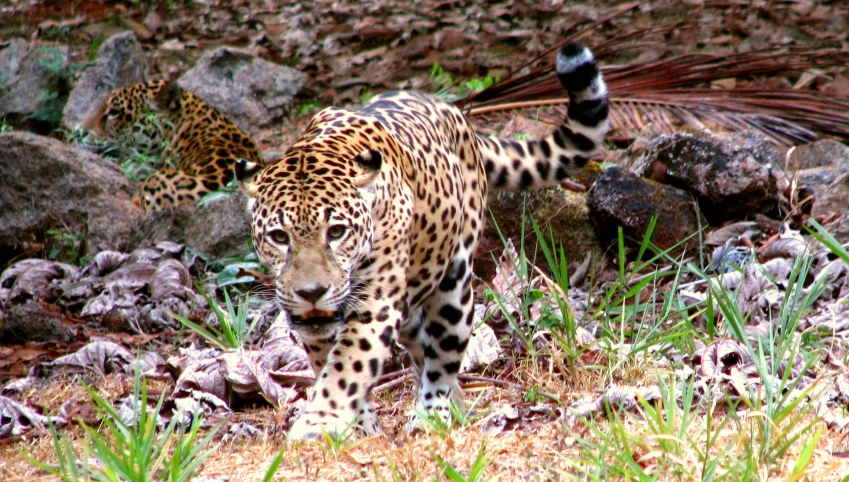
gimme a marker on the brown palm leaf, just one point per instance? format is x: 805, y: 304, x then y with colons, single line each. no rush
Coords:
x: 676, y: 91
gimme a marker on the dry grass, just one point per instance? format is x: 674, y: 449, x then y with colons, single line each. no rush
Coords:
x: 538, y: 450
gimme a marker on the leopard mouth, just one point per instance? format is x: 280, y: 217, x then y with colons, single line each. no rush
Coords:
x: 317, y: 317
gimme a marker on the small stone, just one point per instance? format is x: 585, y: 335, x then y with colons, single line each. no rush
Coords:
x: 33, y: 321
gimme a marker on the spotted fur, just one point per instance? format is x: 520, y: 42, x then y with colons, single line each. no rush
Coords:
x: 196, y: 139
x: 369, y: 223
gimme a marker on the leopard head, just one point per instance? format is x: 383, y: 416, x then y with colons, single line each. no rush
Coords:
x: 125, y: 107
x: 312, y: 223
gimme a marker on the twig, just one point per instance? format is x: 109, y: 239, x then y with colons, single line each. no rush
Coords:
x: 502, y: 383
x: 403, y: 376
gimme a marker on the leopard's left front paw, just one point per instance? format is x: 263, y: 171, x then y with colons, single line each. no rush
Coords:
x: 434, y: 415
x: 313, y: 425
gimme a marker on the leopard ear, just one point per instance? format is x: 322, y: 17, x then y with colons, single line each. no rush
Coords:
x: 246, y: 172
x: 95, y: 121
x: 371, y: 160
x: 168, y: 97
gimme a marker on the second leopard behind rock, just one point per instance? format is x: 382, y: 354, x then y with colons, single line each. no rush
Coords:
x: 160, y: 118
x: 369, y: 224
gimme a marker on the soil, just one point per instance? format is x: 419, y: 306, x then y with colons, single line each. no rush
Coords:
x: 352, y: 50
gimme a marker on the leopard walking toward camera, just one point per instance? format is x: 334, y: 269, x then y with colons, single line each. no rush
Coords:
x: 369, y: 224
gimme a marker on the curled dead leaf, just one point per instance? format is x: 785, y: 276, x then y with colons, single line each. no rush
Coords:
x: 171, y: 279
x: 18, y: 419
x: 102, y: 357
x: 34, y: 279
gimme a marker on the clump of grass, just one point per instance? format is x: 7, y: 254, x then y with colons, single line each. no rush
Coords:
x: 131, y: 451
x: 476, y: 471
x: 458, y: 416
x: 234, y: 331
x: 667, y: 438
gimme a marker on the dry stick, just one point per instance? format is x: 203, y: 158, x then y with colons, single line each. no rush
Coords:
x: 393, y: 374
x: 494, y: 381
x: 403, y: 376
x: 502, y: 383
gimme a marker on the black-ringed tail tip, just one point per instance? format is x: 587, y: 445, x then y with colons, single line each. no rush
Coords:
x: 579, y: 74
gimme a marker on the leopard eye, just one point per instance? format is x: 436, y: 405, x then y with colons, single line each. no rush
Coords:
x: 336, y: 232
x: 279, y: 237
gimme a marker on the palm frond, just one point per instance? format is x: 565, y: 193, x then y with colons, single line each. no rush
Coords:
x: 677, y: 91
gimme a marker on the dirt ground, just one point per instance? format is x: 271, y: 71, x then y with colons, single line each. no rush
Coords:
x: 352, y: 50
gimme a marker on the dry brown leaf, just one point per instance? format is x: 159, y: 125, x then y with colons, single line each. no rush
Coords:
x: 102, y: 357
x: 33, y: 278
x: 17, y: 419
x: 171, y: 279
x: 719, y: 237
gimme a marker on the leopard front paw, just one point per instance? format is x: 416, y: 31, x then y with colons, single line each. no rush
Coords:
x: 314, y: 425
x: 432, y: 416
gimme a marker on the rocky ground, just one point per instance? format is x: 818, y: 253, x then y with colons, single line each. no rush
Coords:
x: 89, y: 284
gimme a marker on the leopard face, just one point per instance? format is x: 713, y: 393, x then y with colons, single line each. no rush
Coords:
x: 317, y: 233
x: 122, y: 108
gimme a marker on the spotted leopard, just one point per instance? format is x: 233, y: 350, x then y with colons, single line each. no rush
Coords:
x: 369, y: 223
x: 199, y: 141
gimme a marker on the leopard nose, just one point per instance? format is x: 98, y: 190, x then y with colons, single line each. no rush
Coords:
x: 312, y: 294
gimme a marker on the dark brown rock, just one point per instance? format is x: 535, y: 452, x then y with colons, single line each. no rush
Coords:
x: 33, y: 83
x: 120, y: 61
x: 731, y: 177
x: 620, y: 198
x: 822, y: 153
x: 33, y: 321
x: 250, y: 91
x: 562, y: 213
x: 218, y: 228
x: 839, y: 228
x: 819, y: 177
x: 833, y: 197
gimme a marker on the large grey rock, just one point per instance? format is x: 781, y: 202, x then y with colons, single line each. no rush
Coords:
x: 731, y: 177
x: 563, y: 214
x: 251, y: 92
x: 50, y: 185
x: 32, y: 77
x: 120, y: 61
x: 218, y: 228
x: 620, y: 198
